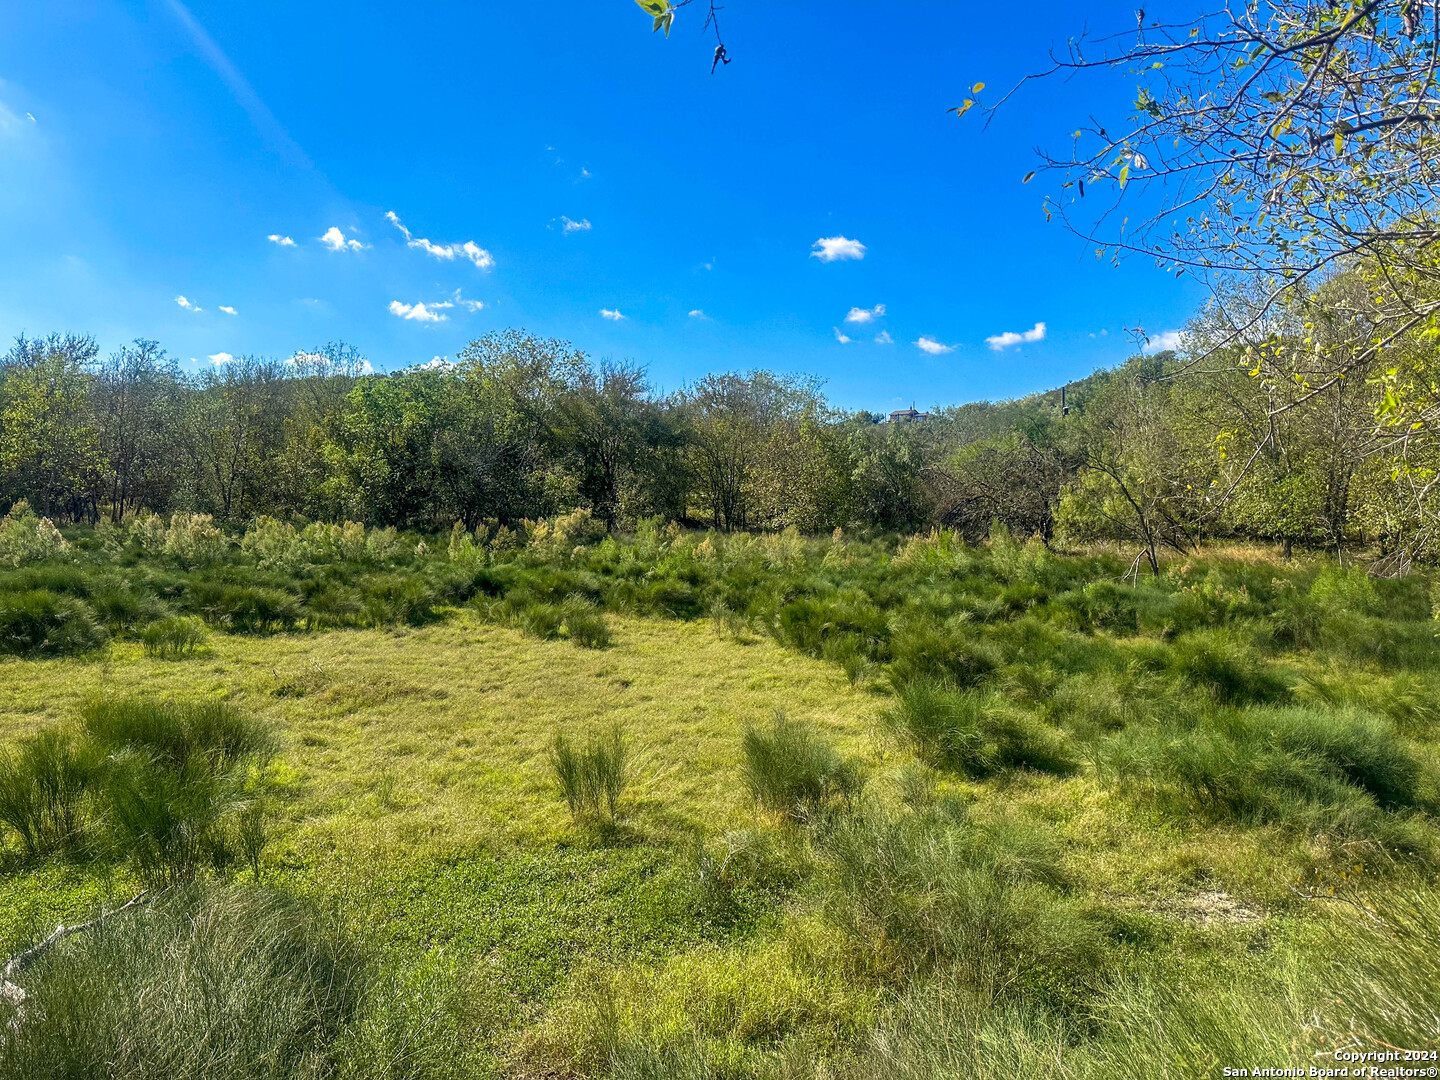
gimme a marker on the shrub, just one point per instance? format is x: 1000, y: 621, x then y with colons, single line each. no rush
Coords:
x: 195, y: 539
x: 587, y: 627
x: 791, y: 770
x: 24, y: 537
x: 173, y: 637
x: 244, y: 984
x: 593, y: 778
x: 40, y: 623
x: 42, y: 787
x: 977, y: 733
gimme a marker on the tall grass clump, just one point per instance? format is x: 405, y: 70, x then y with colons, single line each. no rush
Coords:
x: 1315, y: 767
x: 43, y: 786
x: 593, y: 777
x: 37, y: 622
x: 174, y: 780
x: 928, y: 889
x: 976, y: 732
x: 205, y: 982
x: 173, y: 637
x: 586, y: 627
x: 789, y: 769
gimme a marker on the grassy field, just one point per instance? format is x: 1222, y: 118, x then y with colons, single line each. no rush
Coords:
x: 1056, y: 825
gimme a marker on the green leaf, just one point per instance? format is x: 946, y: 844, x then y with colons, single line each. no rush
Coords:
x: 656, y: 8
x: 1124, y: 175
x: 1028, y: 177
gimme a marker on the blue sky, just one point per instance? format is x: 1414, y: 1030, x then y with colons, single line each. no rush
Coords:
x: 150, y: 148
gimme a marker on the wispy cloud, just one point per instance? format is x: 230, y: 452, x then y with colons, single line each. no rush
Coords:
x: 698, y: 314
x: 468, y: 305
x: 282, y: 241
x: 934, y: 348
x: 335, y: 240
x: 1010, y: 337
x: 841, y: 337
x: 865, y: 315
x: 187, y: 304
x: 228, y: 310
x: 425, y: 313
x: 263, y: 119
x: 568, y: 226
x: 884, y: 338
x: 221, y: 358
x: 446, y: 252
x: 611, y: 314
x: 1166, y: 341
x: 832, y: 248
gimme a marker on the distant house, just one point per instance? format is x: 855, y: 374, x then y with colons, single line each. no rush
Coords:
x: 905, y: 416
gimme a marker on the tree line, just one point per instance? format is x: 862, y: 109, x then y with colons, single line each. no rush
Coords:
x: 1153, y: 453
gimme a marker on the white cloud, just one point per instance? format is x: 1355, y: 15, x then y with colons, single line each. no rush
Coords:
x: 468, y: 305
x: 841, y: 338
x: 448, y: 252
x: 831, y: 248
x: 284, y: 241
x: 1010, y: 337
x: 865, y: 315
x: 30, y: 117
x: 583, y: 225
x: 439, y: 363
x: 335, y: 240
x: 221, y: 358
x: 1167, y: 341
x: 611, y: 314
x: 186, y: 304
x: 934, y: 348
x: 421, y: 312
x: 698, y: 314
x: 884, y: 338
x: 228, y: 310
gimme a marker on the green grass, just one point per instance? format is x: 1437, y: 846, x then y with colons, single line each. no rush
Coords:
x: 1085, y: 805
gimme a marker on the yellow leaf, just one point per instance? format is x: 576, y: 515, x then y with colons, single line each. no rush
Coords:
x: 977, y: 88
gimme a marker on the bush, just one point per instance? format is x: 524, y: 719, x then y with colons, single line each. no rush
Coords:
x: 40, y: 623
x: 791, y: 770
x: 173, y: 637
x: 977, y: 733
x: 42, y: 788
x: 243, y: 984
x: 24, y: 537
x: 587, y: 628
x: 593, y: 778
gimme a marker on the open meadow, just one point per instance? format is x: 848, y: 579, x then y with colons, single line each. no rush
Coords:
x: 686, y: 804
